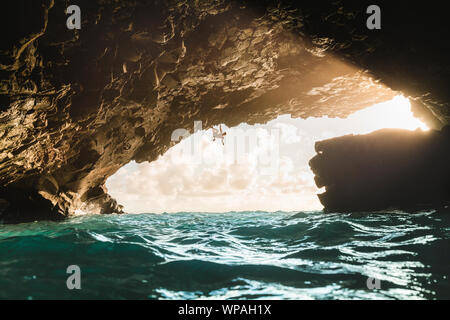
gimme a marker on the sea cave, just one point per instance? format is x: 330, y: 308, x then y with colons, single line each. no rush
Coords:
x: 224, y: 149
x: 78, y: 104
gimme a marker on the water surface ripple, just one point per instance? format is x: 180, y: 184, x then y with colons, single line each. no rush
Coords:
x: 235, y: 255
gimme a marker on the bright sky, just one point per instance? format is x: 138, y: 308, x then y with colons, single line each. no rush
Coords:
x: 261, y: 167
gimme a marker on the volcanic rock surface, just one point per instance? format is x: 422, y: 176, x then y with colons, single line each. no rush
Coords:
x: 389, y: 168
x: 76, y: 105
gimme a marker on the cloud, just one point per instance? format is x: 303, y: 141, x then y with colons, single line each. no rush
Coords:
x: 215, y: 179
x: 261, y: 167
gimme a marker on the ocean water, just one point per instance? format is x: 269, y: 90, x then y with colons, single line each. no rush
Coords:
x: 236, y: 255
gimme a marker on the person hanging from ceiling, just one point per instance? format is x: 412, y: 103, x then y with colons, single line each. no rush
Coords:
x: 219, y: 134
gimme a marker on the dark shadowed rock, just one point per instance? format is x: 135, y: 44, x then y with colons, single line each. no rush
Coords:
x: 389, y: 168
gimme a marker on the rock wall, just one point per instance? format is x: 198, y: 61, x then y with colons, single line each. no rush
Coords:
x: 76, y: 105
x: 389, y: 168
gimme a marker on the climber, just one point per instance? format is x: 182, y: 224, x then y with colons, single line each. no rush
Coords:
x: 219, y: 135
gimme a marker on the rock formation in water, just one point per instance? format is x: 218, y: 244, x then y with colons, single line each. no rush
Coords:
x: 76, y: 105
x: 389, y: 168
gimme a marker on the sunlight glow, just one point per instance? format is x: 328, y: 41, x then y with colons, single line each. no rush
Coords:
x: 395, y: 113
x: 212, y: 180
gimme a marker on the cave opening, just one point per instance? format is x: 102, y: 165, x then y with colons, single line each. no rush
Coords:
x: 260, y: 167
x: 332, y: 181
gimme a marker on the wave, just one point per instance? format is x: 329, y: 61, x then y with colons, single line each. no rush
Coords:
x: 245, y: 255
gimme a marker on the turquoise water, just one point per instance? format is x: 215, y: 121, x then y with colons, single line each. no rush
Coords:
x: 246, y: 255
